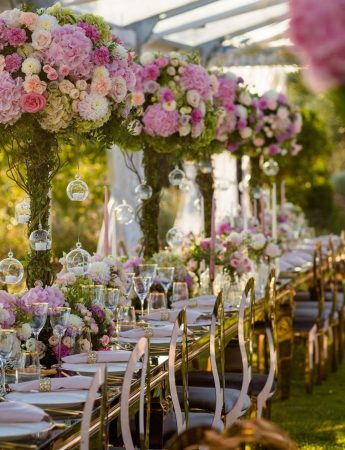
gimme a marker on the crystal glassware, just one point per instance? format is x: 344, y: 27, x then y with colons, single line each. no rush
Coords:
x: 166, y: 276
x: 180, y: 291
x: 112, y: 298
x: 7, y: 340
x: 28, y: 367
x: 148, y: 270
x: 38, y: 316
x: 157, y: 301
x: 142, y: 288
x: 59, y: 318
x: 128, y: 285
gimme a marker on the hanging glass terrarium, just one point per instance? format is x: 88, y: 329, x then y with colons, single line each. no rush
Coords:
x: 23, y: 211
x: 176, y: 176
x: 270, y: 167
x: 40, y: 240
x: 78, y: 261
x: 174, y: 237
x: 124, y: 213
x: 143, y: 191
x: 77, y: 190
x: 11, y: 270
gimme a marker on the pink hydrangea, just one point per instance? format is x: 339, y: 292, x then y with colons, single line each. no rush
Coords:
x: 196, y: 77
x: 159, y: 122
x: 71, y: 47
x: 15, y: 36
x: 10, y: 95
x: 100, y: 56
x: 51, y: 295
x: 319, y: 36
x: 6, y: 299
x: 226, y: 90
x: 13, y: 62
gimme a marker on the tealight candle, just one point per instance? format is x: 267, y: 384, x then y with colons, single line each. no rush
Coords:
x: 11, y: 279
x: 77, y: 270
x: 78, y: 196
x: 40, y: 246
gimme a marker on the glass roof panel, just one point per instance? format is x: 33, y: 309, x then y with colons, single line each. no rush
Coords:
x: 199, y: 14
x: 260, y: 34
x: 214, y: 30
x: 125, y: 12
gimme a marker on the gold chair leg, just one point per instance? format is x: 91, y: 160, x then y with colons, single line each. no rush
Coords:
x: 334, y: 347
x: 308, y: 372
x: 321, y: 373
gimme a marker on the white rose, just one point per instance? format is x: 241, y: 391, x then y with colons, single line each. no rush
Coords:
x: 120, y: 52
x: 245, y: 132
x: 258, y: 241
x: 11, y: 17
x: 184, y: 130
x: 245, y: 98
x: 235, y: 238
x: 272, y: 250
x: 147, y: 58
x: 31, y: 65
x: 171, y: 71
x: 47, y: 22
x: 242, y: 111
x: 193, y: 98
x: 41, y: 39
x: 101, y: 72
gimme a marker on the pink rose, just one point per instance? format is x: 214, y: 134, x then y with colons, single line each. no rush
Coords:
x: 105, y: 340
x: 52, y: 75
x: 29, y: 20
x: 64, y: 70
x: 32, y: 102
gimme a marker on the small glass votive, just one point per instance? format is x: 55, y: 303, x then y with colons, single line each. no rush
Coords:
x: 98, y: 294
x: 28, y: 367
x: 156, y: 301
x: 180, y: 291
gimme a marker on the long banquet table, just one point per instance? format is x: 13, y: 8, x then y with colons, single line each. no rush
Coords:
x: 67, y: 434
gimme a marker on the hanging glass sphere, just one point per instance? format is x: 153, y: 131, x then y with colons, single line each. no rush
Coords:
x: 176, y: 176
x: 23, y: 211
x: 143, y: 191
x: 78, y: 261
x: 205, y: 166
x: 270, y: 167
x: 77, y: 190
x: 40, y: 240
x: 124, y: 213
x: 174, y: 237
x: 11, y: 270
x: 185, y: 185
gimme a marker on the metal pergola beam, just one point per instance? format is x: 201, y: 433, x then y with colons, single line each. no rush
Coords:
x: 219, y: 16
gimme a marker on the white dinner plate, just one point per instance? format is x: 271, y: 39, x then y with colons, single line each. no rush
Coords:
x: 9, y: 431
x: 62, y: 399
x: 91, y: 368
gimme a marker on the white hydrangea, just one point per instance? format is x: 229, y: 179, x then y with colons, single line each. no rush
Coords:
x: 75, y: 321
x: 24, y: 332
x: 120, y: 52
x: 258, y: 241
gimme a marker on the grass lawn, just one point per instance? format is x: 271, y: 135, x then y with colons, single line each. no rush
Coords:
x: 315, y: 421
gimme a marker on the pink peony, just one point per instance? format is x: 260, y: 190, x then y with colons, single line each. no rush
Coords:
x: 226, y: 90
x: 317, y: 29
x: 71, y: 47
x: 159, y: 122
x: 196, y: 77
x: 29, y: 20
x: 90, y: 31
x: 15, y: 36
x: 166, y: 95
x: 13, y: 62
x: 32, y: 102
x: 150, y: 72
x: 10, y: 95
x: 162, y: 61
x: 100, y: 56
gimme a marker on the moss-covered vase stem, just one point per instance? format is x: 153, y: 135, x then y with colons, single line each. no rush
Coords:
x: 155, y: 175
x: 205, y: 183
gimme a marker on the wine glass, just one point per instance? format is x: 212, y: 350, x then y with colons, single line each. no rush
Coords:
x: 28, y: 367
x: 166, y: 276
x: 38, y: 317
x: 112, y: 299
x: 7, y: 340
x: 142, y: 287
x: 128, y: 285
x: 59, y: 318
x: 180, y: 291
x: 125, y: 320
x: 148, y: 270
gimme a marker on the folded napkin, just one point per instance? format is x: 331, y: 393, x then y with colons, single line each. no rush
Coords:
x: 57, y: 384
x: 202, y: 301
x: 157, y: 332
x: 101, y: 357
x: 171, y: 315
x: 20, y: 412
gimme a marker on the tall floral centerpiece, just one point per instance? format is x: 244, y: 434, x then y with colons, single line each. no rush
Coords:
x: 62, y: 75
x: 174, y: 118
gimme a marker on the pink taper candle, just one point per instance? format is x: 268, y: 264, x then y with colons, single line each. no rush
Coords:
x: 213, y: 240
x: 106, y: 222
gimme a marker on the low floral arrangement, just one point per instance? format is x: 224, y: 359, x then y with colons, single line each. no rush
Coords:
x: 173, y: 100
x: 278, y: 124
x: 261, y: 248
x: 236, y: 123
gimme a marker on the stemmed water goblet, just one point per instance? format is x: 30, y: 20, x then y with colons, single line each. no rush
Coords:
x: 7, y: 340
x: 148, y: 270
x: 59, y: 318
x: 112, y: 299
x: 38, y: 317
x: 166, y: 276
x: 142, y: 288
